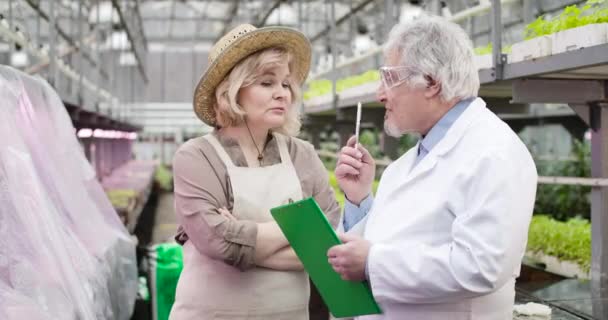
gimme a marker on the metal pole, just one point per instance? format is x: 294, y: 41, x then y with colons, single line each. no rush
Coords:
x: 352, y: 34
x: 132, y: 84
x: 389, y: 14
x: 497, y: 58
x: 599, y: 218
x: 80, y: 42
x: 300, y: 15
x: 70, y: 82
x: 194, y: 35
x: 529, y: 10
x: 98, y: 55
x: 334, y: 56
x: 38, y: 42
x: 300, y: 25
x: 115, y: 70
x: 52, y: 46
x: 10, y: 25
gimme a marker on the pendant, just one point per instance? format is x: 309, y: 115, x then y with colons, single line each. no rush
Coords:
x: 260, y: 157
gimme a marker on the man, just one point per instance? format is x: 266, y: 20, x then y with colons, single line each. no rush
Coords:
x: 446, y: 232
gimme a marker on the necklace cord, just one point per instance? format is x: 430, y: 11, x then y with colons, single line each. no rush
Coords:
x: 260, y: 155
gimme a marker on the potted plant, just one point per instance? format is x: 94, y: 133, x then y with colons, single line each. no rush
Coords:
x: 483, y: 56
x: 572, y: 29
x: 562, y: 248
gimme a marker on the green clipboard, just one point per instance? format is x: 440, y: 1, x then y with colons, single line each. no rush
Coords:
x: 311, y: 235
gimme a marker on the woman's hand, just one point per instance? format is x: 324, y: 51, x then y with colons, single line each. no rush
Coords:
x: 225, y: 213
x: 283, y: 260
x: 269, y: 241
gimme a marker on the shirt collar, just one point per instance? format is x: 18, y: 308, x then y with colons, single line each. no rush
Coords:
x: 442, y: 126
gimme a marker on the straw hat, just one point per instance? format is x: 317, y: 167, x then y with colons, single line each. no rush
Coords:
x: 238, y: 44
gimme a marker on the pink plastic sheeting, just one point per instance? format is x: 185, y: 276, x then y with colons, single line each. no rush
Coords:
x: 55, y: 215
x: 107, y: 154
x: 19, y: 306
x: 134, y: 175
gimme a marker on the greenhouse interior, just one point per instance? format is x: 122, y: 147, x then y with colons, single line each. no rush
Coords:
x: 119, y: 117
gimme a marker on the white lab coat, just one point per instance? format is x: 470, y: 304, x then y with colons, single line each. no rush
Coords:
x: 449, y: 234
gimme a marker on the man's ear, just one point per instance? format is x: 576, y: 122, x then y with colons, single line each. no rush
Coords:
x: 433, y: 87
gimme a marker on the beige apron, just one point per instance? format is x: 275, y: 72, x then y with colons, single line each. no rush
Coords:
x: 211, y: 289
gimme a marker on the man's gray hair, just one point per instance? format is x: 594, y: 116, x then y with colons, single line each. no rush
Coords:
x: 438, y: 49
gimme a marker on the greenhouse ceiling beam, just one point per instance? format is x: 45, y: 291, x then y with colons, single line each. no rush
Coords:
x: 33, y: 69
x: 342, y: 19
x: 130, y: 36
x: 476, y: 10
x: 36, y: 7
x: 261, y: 21
x: 141, y: 24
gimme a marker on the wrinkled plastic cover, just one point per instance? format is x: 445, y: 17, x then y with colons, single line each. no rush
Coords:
x: 64, y: 254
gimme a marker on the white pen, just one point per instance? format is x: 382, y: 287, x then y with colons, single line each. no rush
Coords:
x: 357, y: 125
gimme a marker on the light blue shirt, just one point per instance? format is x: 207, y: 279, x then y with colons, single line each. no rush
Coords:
x: 353, y: 214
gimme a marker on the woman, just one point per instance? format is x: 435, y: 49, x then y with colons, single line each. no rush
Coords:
x: 237, y: 263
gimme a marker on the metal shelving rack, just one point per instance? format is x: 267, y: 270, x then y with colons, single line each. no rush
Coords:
x: 578, y: 78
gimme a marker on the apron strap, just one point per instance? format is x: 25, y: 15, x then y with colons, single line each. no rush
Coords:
x: 282, y: 144
x: 221, y: 152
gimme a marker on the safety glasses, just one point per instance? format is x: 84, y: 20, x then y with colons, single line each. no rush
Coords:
x: 394, y: 76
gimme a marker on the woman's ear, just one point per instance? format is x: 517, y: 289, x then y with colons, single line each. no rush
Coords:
x: 433, y: 87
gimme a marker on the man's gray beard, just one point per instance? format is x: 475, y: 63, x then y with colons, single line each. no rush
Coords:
x: 392, y: 130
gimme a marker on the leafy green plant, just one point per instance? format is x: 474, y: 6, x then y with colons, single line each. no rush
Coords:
x: 537, y: 28
x: 339, y: 194
x: 357, y: 80
x: 406, y: 142
x: 567, y: 241
x: 370, y: 139
x: 121, y: 198
x: 317, y: 88
x: 323, y: 86
x: 164, y: 178
x: 334, y: 184
x: 488, y: 49
x: 565, y: 201
x: 594, y: 11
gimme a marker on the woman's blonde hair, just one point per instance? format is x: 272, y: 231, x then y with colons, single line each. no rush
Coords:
x: 230, y: 113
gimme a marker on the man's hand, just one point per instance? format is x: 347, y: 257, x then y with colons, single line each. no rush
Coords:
x: 349, y: 259
x: 355, y: 171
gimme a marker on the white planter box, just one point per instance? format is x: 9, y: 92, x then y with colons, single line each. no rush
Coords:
x: 360, y: 90
x: 483, y: 61
x: 581, y: 37
x: 531, y: 49
x: 564, y: 268
x: 317, y: 101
